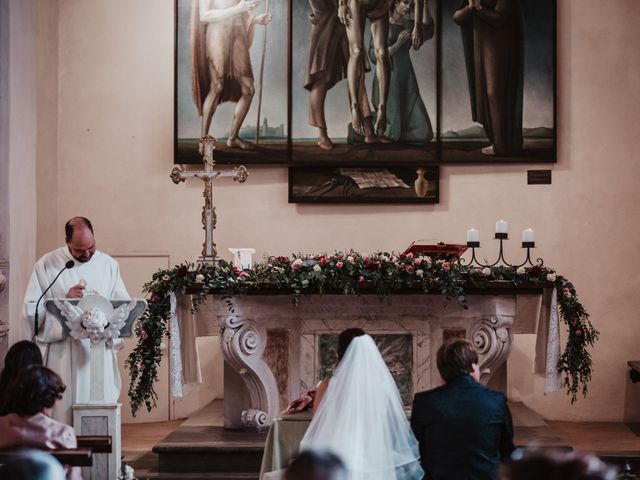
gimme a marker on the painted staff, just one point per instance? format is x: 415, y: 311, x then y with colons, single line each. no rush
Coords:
x: 179, y: 174
x: 264, y: 52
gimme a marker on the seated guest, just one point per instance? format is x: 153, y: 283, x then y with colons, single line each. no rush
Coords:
x: 20, y: 355
x: 463, y: 428
x: 30, y: 399
x: 556, y: 465
x: 316, y: 465
x: 359, y: 414
x: 32, y: 465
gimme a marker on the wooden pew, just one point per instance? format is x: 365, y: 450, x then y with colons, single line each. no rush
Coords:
x: 97, y: 443
x: 74, y: 457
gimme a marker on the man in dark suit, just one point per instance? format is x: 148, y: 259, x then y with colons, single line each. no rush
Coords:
x: 463, y: 428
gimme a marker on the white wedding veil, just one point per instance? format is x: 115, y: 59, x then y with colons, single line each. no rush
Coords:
x: 361, y: 419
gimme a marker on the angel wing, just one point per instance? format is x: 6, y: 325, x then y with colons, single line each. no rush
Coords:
x: 119, y: 317
x: 72, y: 315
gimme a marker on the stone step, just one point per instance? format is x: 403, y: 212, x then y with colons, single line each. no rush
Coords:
x: 210, y: 449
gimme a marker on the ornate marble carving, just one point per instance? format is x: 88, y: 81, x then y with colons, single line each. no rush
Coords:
x: 242, y: 342
x: 421, y: 319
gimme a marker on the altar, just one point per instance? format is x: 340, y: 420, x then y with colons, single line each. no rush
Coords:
x: 275, y: 351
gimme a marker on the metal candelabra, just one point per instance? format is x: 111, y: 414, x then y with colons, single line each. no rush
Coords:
x: 502, y: 237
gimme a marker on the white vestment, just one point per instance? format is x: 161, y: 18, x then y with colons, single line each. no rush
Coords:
x: 67, y: 357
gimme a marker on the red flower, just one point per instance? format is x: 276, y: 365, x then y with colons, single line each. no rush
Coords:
x: 535, y: 270
x: 373, y: 265
x: 361, y: 279
x: 410, y: 268
x: 322, y: 260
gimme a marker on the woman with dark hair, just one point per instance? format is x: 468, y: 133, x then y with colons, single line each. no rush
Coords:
x: 26, y: 424
x: 20, y: 355
x: 359, y: 414
x: 316, y: 465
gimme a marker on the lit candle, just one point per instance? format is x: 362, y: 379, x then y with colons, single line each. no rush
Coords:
x: 501, y: 226
x: 527, y: 235
x: 473, y: 235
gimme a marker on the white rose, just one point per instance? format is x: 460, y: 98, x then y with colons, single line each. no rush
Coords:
x: 199, y: 278
x: 350, y: 259
x: 317, y: 268
x: 551, y: 277
x: 384, y: 258
x: 297, y: 262
x: 486, y: 271
x: 419, y: 273
x: 567, y: 294
x: 521, y: 271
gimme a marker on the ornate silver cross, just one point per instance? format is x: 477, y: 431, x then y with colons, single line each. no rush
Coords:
x: 206, y: 146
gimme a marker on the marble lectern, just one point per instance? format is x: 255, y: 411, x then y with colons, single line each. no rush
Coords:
x: 97, y: 324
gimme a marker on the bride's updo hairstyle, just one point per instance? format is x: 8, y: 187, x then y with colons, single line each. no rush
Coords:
x: 344, y: 340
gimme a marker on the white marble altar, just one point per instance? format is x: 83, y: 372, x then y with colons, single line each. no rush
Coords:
x: 261, y: 377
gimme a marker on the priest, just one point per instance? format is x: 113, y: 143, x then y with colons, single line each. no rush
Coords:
x: 93, y: 272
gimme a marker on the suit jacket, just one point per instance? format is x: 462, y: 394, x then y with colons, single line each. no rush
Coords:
x: 464, y: 430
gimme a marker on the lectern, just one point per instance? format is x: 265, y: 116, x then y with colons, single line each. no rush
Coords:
x: 97, y: 325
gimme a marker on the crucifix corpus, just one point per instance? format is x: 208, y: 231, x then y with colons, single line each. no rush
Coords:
x: 206, y: 146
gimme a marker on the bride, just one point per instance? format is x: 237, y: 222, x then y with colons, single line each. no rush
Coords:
x: 358, y: 414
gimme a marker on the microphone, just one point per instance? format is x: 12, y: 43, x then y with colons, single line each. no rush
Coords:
x: 67, y: 265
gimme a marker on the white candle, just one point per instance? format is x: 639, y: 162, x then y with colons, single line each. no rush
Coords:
x: 527, y: 235
x: 501, y: 226
x: 473, y: 235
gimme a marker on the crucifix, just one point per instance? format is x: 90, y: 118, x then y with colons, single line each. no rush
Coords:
x: 206, y: 146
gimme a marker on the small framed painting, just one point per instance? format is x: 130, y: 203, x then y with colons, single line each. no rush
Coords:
x: 364, y: 184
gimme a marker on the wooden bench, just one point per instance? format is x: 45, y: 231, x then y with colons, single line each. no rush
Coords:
x: 74, y: 457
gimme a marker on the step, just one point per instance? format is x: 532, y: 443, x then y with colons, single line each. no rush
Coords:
x: 210, y: 449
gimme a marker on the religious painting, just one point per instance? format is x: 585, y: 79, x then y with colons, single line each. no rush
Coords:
x: 364, y: 185
x: 396, y: 350
x: 498, y: 81
x: 363, y: 83
x: 231, y: 79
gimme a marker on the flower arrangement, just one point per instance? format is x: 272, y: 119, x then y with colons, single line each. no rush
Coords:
x: 348, y: 273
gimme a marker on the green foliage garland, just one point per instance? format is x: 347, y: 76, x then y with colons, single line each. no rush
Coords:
x: 349, y: 273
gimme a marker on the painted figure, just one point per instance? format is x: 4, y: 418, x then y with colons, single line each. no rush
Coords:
x: 407, y: 117
x: 492, y: 33
x: 221, y: 35
x: 328, y: 60
x: 353, y: 14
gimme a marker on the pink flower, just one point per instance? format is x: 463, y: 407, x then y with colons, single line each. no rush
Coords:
x: 418, y: 261
x: 143, y: 334
x: 166, y: 277
x: 578, y: 333
x: 243, y: 274
x: 446, y: 266
x: 155, y: 298
x: 322, y: 260
x: 565, y: 290
x: 410, y: 268
x: 339, y: 264
x: 361, y: 279
x: 409, y: 255
x: 366, y: 259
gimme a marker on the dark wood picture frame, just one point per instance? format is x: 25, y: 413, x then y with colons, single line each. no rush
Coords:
x: 320, y: 185
x: 456, y: 138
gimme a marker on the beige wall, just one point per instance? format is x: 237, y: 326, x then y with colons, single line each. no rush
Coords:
x: 114, y: 154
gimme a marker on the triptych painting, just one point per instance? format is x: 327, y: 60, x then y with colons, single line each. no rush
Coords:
x: 365, y: 99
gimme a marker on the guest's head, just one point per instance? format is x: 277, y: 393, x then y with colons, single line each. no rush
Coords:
x: 78, y: 234
x: 34, y: 390
x: 344, y: 340
x: 20, y: 355
x: 32, y: 465
x: 455, y: 358
x: 316, y: 465
x: 556, y: 465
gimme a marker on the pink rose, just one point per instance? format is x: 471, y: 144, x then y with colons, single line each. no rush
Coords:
x: 418, y: 261
x: 339, y: 264
x: 143, y: 334
x: 446, y: 266
x: 565, y: 290
x: 166, y: 277
x: 409, y: 255
x: 578, y: 333
x: 155, y: 298
x: 243, y: 274
x: 361, y: 279
x: 410, y: 268
x: 366, y: 259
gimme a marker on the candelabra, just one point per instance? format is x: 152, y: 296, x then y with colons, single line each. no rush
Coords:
x: 501, y: 237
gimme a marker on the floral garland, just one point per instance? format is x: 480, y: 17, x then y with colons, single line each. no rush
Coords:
x: 349, y: 273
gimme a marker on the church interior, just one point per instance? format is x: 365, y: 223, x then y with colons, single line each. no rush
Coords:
x: 88, y: 128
